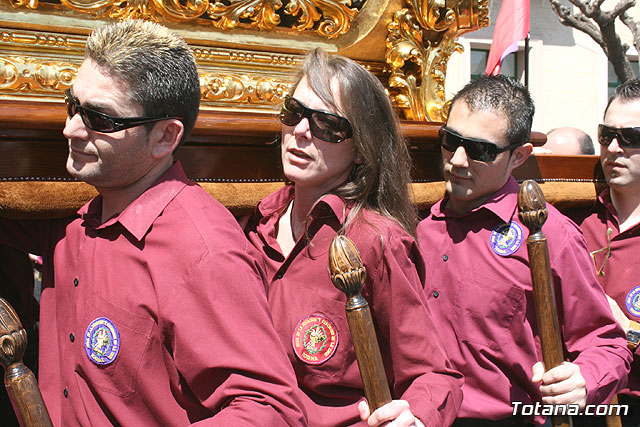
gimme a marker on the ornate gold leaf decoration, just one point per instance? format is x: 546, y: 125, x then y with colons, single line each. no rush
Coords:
x: 31, y: 75
x: 333, y: 17
x: 420, y: 42
x: 329, y: 18
x: 243, y: 89
x: 30, y: 4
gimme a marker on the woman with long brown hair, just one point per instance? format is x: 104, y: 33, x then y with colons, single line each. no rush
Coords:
x: 347, y: 168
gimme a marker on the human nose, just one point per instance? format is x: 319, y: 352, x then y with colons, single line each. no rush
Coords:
x: 459, y: 157
x: 303, y: 128
x: 74, y: 127
x: 614, y: 146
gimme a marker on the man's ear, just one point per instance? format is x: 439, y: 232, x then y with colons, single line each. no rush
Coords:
x: 165, y: 137
x: 520, y: 155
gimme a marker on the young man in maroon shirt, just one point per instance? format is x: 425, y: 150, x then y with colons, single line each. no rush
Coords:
x: 479, y: 290
x: 612, y: 226
x: 153, y: 309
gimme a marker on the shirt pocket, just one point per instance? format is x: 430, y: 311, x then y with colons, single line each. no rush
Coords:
x: 488, y: 312
x: 313, y: 305
x: 133, y: 333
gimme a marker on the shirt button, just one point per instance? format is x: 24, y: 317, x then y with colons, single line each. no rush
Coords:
x: 279, y: 276
x: 436, y: 294
x: 66, y: 393
x: 75, y: 282
x: 445, y: 257
x: 72, y: 337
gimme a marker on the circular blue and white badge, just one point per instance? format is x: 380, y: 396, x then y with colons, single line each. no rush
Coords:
x: 102, y: 341
x: 506, y: 238
x: 632, y: 301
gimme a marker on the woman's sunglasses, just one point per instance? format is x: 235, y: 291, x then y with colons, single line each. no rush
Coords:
x: 476, y: 149
x: 326, y: 126
x: 626, y: 137
x: 100, y: 122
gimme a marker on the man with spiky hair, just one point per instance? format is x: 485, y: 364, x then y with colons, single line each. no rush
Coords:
x: 153, y: 308
x: 480, y: 292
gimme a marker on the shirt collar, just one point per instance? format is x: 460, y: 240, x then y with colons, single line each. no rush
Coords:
x: 503, y: 203
x: 138, y: 217
x: 604, y: 199
x: 277, y: 201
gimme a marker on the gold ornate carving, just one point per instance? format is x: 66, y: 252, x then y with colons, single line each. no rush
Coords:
x: 243, y: 89
x: 420, y: 42
x: 20, y: 74
x: 329, y: 18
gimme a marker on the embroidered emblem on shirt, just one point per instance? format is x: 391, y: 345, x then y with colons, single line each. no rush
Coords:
x: 632, y: 301
x: 315, y: 339
x: 506, y: 238
x: 102, y: 341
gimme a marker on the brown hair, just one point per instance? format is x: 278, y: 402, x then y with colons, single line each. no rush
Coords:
x: 381, y: 182
x: 157, y: 64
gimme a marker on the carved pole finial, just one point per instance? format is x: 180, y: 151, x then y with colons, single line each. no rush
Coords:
x: 19, y: 381
x: 532, y: 206
x: 348, y: 274
x: 347, y: 270
x: 13, y: 337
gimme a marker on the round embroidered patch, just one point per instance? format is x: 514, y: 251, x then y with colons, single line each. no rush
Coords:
x: 632, y: 301
x: 506, y: 238
x: 315, y: 339
x: 102, y: 341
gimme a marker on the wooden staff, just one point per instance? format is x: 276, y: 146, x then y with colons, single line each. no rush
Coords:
x: 532, y: 211
x: 19, y: 381
x: 348, y: 275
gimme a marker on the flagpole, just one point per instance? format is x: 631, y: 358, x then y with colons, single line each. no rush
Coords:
x: 526, y: 61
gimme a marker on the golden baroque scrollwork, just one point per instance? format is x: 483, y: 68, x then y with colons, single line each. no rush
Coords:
x: 19, y: 74
x: 242, y: 89
x: 329, y: 18
x: 420, y: 42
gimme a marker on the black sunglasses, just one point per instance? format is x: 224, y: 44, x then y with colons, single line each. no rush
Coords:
x: 482, y: 151
x: 326, y: 126
x: 626, y: 137
x: 104, y: 123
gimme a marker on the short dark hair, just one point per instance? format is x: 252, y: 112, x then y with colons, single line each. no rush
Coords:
x: 503, y: 94
x: 586, y: 144
x: 626, y: 92
x: 156, y: 64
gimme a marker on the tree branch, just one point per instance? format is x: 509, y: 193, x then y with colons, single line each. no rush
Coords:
x: 600, y: 26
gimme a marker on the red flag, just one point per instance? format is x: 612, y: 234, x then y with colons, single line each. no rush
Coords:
x: 511, y: 26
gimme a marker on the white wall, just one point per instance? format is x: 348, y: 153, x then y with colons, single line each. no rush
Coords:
x: 567, y: 69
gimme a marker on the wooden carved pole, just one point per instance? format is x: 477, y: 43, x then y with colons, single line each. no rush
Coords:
x: 348, y: 275
x: 532, y: 211
x: 19, y: 381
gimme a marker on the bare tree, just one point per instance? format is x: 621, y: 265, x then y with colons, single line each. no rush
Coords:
x: 600, y: 26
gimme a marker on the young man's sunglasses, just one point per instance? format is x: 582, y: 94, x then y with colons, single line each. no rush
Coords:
x: 482, y: 151
x: 101, y: 122
x: 626, y: 137
x: 326, y: 126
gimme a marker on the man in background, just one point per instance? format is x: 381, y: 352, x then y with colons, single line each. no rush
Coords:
x: 612, y: 226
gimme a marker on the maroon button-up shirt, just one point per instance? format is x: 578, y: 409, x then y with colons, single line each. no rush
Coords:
x: 301, y: 290
x: 178, y: 283
x: 482, y: 303
x: 621, y: 280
